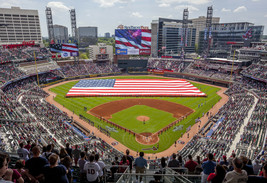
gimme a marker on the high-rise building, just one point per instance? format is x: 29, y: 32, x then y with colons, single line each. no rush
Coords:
x: 18, y: 25
x: 223, y: 35
x: 107, y: 35
x: 87, y: 36
x: 200, y: 24
x: 60, y: 34
x: 167, y: 37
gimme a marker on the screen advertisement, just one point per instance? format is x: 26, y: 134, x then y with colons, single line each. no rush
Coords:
x: 133, y: 41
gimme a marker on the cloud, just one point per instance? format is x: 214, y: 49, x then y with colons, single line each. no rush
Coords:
x: 240, y: 9
x: 57, y: 5
x: 110, y: 3
x: 225, y: 10
x: 168, y: 2
x: 265, y: 15
x: 163, y: 5
x: 190, y: 8
x: 136, y: 14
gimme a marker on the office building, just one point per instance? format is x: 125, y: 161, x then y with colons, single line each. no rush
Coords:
x: 166, y: 38
x: 223, y: 35
x: 107, y: 35
x: 18, y: 25
x: 87, y: 36
x: 60, y: 34
x: 200, y: 24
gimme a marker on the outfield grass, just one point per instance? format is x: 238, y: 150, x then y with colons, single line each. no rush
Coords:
x: 166, y: 139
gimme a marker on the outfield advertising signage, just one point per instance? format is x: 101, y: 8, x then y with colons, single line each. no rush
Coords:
x: 133, y: 41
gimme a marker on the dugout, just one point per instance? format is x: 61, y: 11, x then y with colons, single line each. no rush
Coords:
x: 133, y: 65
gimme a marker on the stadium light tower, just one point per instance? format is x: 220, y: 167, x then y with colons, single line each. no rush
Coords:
x: 184, y: 32
x: 207, y: 38
x: 73, y: 24
x: 49, y: 20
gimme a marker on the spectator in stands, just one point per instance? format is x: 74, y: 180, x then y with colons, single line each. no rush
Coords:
x: 198, y: 168
x: 246, y: 167
x: 62, y: 153
x: 218, y: 176
x: 190, y: 165
x: 224, y: 161
x: 174, y: 163
x: 48, y: 152
x: 237, y: 175
x: 22, y: 152
x: 67, y: 162
x: 140, y: 165
x: 20, y: 164
x: 76, y: 154
x: 81, y: 163
x: 54, y: 150
x: 130, y: 159
x: 114, y: 168
x: 162, y: 165
x: 55, y: 173
x: 157, y: 178
x: 259, y: 179
x: 3, y: 168
x: 92, y: 170
x: 34, y: 166
x: 69, y: 150
x: 181, y: 161
x: 12, y: 174
x: 101, y: 165
x: 123, y: 162
x: 208, y: 168
x: 256, y: 166
x: 28, y: 145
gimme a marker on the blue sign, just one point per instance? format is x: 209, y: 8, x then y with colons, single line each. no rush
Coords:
x: 121, y: 51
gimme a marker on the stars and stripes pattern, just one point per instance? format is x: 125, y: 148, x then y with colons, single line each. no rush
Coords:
x: 134, y: 87
x: 133, y: 39
x: 60, y: 48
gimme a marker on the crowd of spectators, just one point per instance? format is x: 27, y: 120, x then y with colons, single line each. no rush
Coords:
x: 212, y: 70
x: 175, y: 65
x: 256, y: 70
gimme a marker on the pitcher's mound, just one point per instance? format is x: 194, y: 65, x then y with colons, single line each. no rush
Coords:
x: 142, y: 118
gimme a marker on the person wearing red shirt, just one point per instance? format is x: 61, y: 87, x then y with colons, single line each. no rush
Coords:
x: 124, y: 162
x: 190, y: 164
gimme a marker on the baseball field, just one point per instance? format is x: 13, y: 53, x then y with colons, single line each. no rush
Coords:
x: 141, y: 115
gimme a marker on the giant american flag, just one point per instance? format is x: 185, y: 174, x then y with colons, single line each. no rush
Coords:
x: 134, y: 87
x: 133, y: 39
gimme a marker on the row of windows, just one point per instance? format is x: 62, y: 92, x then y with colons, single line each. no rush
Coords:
x: 9, y: 15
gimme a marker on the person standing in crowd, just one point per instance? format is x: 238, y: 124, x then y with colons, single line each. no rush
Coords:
x: 34, y: 166
x: 62, y: 153
x: 130, y: 159
x: 55, y: 173
x: 69, y: 150
x: 259, y: 179
x: 190, y: 164
x: 140, y: 165
x: 174, y: 163
x: 22, y: 152
x: 3, y: 168
x: 48, y: 152
x: 237, y: 175
x: 114, y: 168
x: 124, y: 162
x: 81, y: 163
x: 76, y: 154
x: 218, y: 176
x: 208, y: 168
x: 101, y: 165
x: 92, y: 170
x: 28, y: 145
x: 162, y: 165
x: 256, y: 166
x: 224, y: 161
x: 246, y: 167
x: 67, y: 162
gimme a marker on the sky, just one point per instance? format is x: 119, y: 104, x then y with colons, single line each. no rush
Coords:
x: 108, y: 14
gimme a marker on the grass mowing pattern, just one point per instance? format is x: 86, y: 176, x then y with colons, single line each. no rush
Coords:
x: 127, y: 119
x: 167, y: 138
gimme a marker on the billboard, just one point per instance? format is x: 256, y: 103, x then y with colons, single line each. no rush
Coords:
x: 133, y: 41
x: 66, y: 50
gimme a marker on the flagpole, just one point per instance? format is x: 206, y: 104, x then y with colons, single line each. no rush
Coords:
x: 36, y: 68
